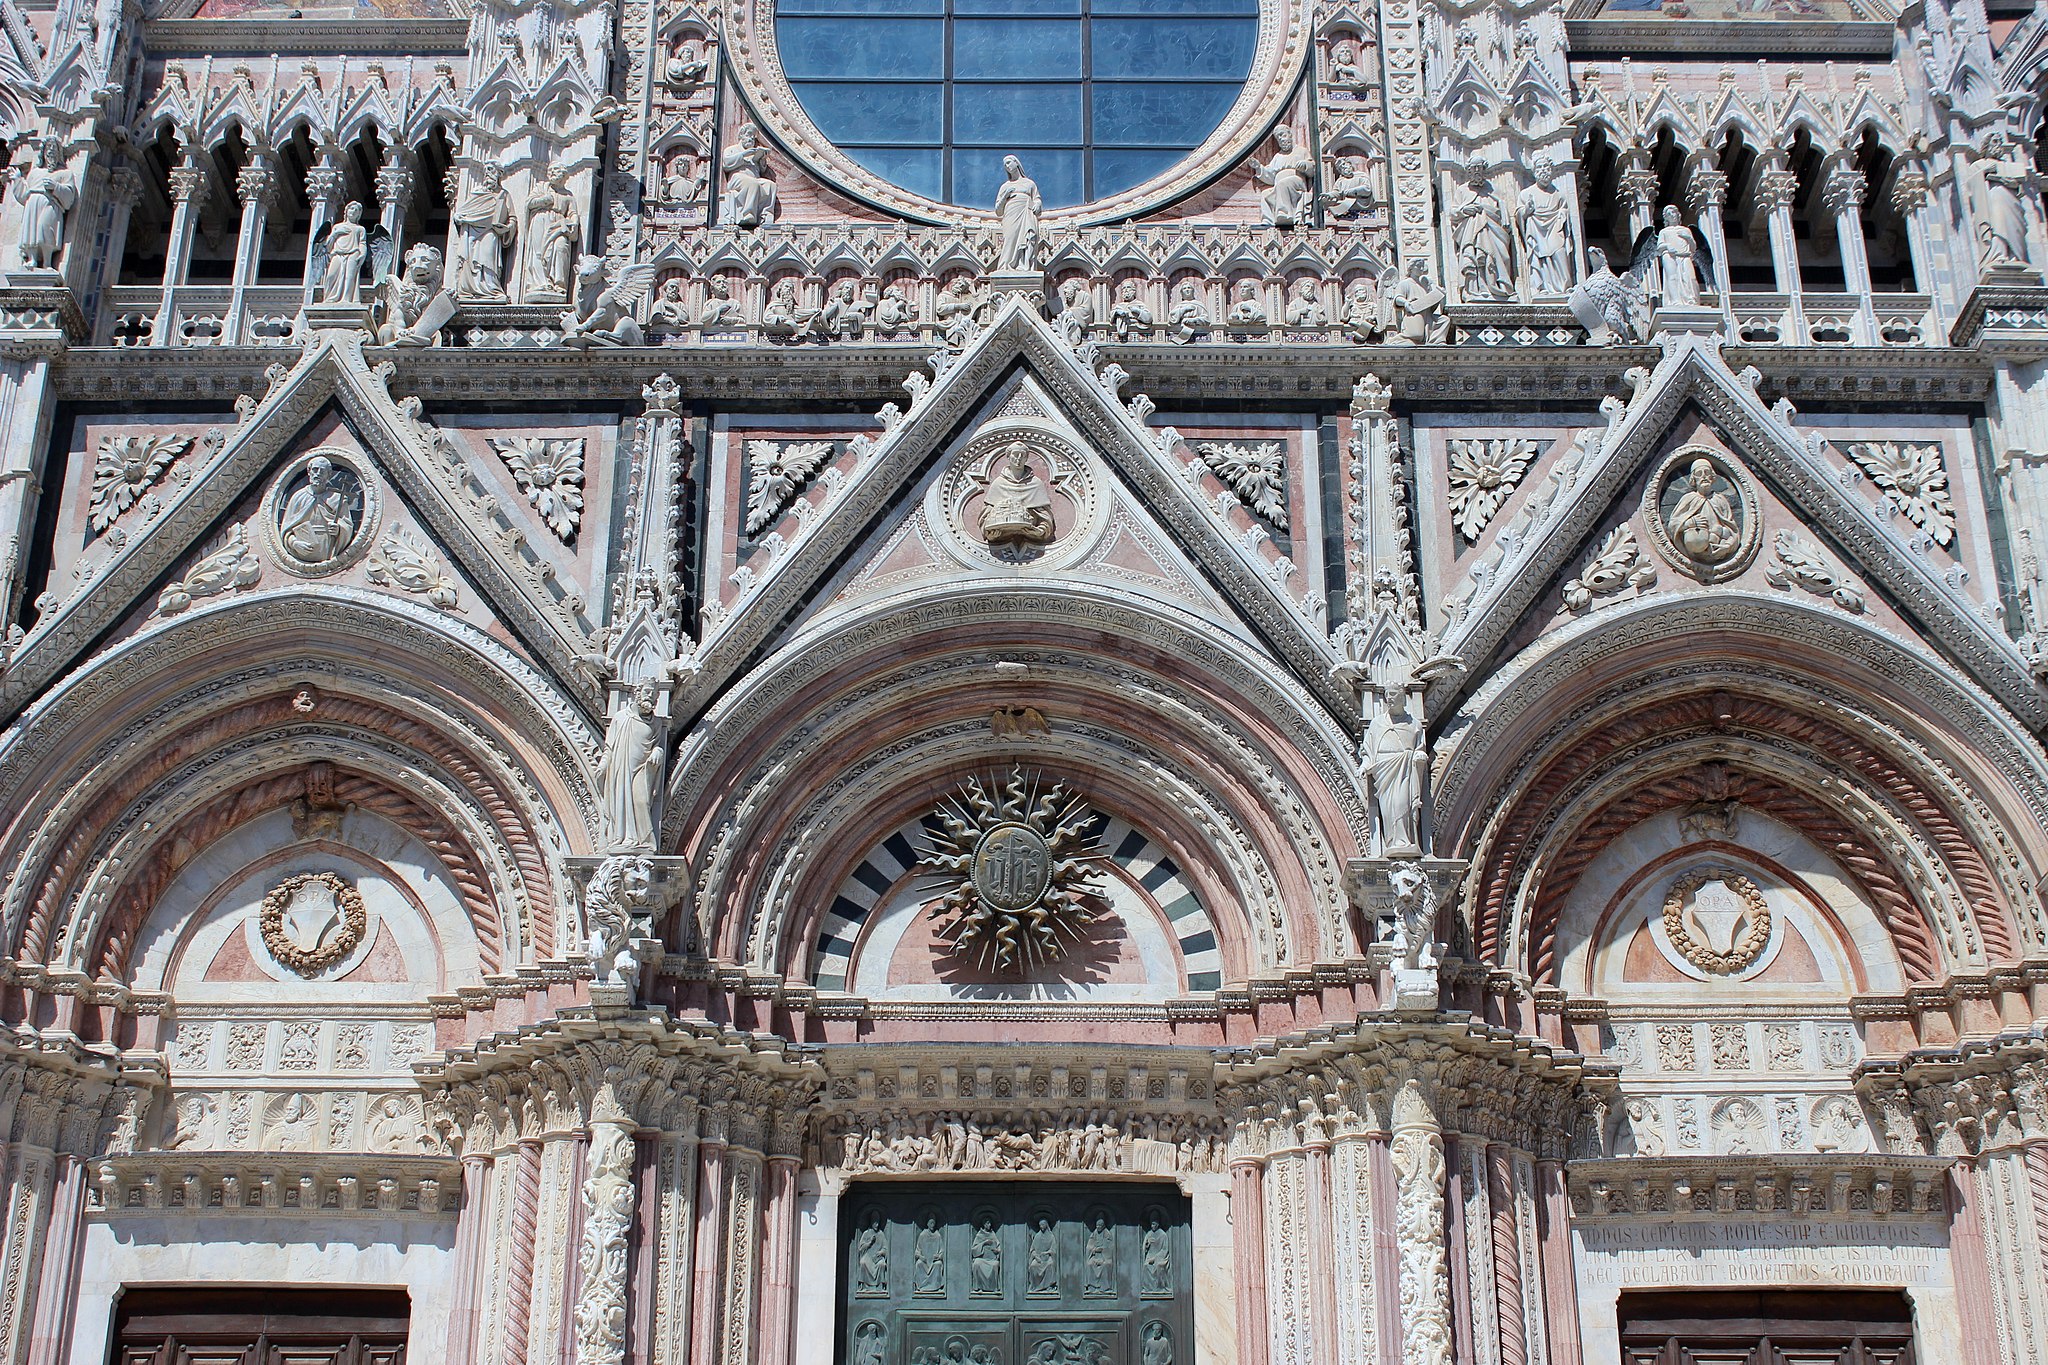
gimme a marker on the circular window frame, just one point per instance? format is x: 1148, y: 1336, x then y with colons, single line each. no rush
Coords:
x: 1280, y: 57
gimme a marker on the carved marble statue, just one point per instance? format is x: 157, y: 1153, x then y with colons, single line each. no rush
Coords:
x: 628, y: 773
x: 750, y: 197
x: 483, y: 236
x: 1305, y: 306
x: 1365, y: 314
x: 1129, y: 316
x: 2003, y: 181
x: 959, y: 309
x: 1018, y: 205
x: 606, y: 305
x: 1189, y: 316
x: 1479, y: 235
x: 1352, y: 190
x: 319, y: 518
x: 1396, y: 759
x: 686, y: 66
x: 783, y: 316
x: 1346, y: 73
x: 415, y: 306
x: 1076, y: 318
x: 47, y: 193
x: 1417, y: 307
x: 1289, y: 176
x: 668, y: 312
x: 1680, y: 263
x: 719, y: 310
x: 1610, y: 305
x: 1705, y: 523
x: 845, y: 314
x: 893, y: 310
x: 1249, y: 310
x: 552, y: 234
x: 1016, y: 506
x: 1549, y: 239
x: 348, y: 247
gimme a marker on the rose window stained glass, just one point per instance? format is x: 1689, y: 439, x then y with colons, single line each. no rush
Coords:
x: 1096, y: 96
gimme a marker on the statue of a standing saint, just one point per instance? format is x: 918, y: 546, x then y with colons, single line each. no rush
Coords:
x: 46, y: 192
x: 1479, y: 232
x: 319, y: 519
x: 2002, y: 182
x: 750, y: 199
x: 1018, y: 205
x: 483, y: 234
x: 1016, y: 506
x: 551, y: 233
x: 627, y: 773
x: 1678, y: 261
x: 1549, y: 243
x: 1289, y: 177
x: 348, y: 244
x: 1395, y: 758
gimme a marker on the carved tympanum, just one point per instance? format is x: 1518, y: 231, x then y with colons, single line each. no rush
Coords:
x: 1022, y: 869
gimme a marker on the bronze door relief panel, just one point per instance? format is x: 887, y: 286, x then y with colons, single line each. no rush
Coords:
x: 1015, y: 1273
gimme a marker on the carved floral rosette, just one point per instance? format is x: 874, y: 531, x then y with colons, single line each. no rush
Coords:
x: 1747, y: 947
x: 355, y: 923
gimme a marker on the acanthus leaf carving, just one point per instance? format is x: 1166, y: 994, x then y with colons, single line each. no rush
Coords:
x: 1619, y: 564
x: 1914, y: 481
x: 406, y: 561
x: 549, y: 471
x: 1483, y: 471
x: 1798, y: 562
x: 125, y: 469
x: 1255, y: 470
x: 776, y: 472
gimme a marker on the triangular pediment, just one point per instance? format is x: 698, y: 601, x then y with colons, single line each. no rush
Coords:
x: 856, y: 516
x: 1597, y: 503
x: 441, y: 514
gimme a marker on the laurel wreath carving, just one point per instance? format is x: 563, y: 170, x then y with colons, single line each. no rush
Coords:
x: 355, y: 923
x: 1742, y: 953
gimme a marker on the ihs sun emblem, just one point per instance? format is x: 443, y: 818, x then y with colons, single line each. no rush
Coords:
x: 1023, y: 869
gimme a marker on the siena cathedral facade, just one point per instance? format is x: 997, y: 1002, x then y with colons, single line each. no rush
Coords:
x: 1023, y: 682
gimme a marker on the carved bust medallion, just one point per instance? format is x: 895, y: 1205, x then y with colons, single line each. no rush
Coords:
x: 1702, y: 514
x: 311, y: 921
x: 320, y: 513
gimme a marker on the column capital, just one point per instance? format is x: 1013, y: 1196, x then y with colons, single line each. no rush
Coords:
x: 1843, y: 190
x: 255, y: 181
x: 1706, y: 189
x: 1639, y: 188
x: 1909, y: 191
x: 188, y: 182
x: 1776, y: 190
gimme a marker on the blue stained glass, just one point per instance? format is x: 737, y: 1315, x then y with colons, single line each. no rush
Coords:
x: 863, y: 49
x: 1156, y: 49
x: 932, y: 94
x: 1013, y: 49
x: 921, y: 170
x: 977, y: 173
x: 1010, y: 116
x: 935, y: 8
x: 849, y: 111
x: 1159, y: 115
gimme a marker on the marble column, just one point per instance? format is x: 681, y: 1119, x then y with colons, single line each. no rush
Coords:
x: 1248, y: 1219
x: 1558, y: 1290
x: 324, y: 184
x: 394, y: 198
x: 1842, y: 195
x: 188, y: 197
x: 778, y: 1260
x: 1322, y: 1269
x: 676, y: 1234
x: 1776, y: 188
x: 602, y: 1256
x: 1706, y: 194
x: 707, y: 1297
x: 1419, y: 1178
x: 256, y: 185
x: 471, y: 1231
x: 56, y: 1301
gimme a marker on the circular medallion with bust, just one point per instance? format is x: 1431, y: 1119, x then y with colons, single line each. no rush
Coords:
x: 1016, y: 504
x: 321, y: 513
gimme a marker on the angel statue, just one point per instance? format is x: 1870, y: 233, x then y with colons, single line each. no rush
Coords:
x: 607, y: 304
x: 1609, y: 304
x: 339, y: 255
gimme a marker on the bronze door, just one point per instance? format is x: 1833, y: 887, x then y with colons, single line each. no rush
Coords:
x: 1015, y: 1273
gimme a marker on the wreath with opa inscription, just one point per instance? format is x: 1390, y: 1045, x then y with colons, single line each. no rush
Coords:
x: 1748, y: 944
x: 312, y: 921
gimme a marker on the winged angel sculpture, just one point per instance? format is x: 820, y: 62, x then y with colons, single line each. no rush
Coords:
x: 607, y: 304
x: 345, y: 246
x: 1668, y: 261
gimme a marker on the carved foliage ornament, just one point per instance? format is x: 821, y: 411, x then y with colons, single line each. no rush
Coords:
x: 1023, y: 872
x: 1914, y: 480
x: 125, y: 469
x: 1254, y: 470
x: 776, y: 472
x: 549, y: 471
x: 1704, y: 909
x: 1482, y: 473
x: 311, y: 921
